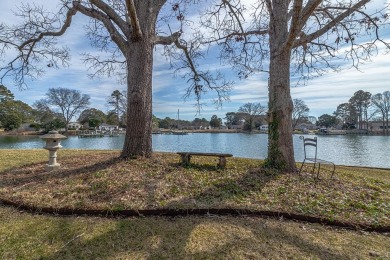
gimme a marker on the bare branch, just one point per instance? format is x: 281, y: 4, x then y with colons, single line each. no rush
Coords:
x: 332, y: 23
x: 167, y: 40
x: 105, y: 19
x: 71, y: 12
x: 137, y: 32
x: 308, y: 10
x: 295, y: 27
x: 35, y: 42
x: 114, y: 16
x: 200, y: 81
x: 108, y: 66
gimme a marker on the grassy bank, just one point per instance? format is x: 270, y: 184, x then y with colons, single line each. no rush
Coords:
x: 98, y: 180
x: 95, y: 179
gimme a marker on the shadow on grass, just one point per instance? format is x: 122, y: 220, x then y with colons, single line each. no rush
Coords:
x: 181, y: 238
x: 36, y: 173
x: 226, y: 188
x: 197, y: 166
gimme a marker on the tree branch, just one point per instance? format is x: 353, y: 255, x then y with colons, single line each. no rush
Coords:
x: 200, y: 81
x: 137, y: 32
x: 295, y: 27
x: 113, y: 16
x: 167, y: 40
x: 332, y: 23
x: 71, y: 12
x: 308, y: 10
x: 105, y: 19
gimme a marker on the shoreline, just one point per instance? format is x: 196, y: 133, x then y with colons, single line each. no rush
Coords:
x: 211, y: 131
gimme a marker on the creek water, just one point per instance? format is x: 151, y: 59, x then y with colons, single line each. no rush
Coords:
x: 355, y: 150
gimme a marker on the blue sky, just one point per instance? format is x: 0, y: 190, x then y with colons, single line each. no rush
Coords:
x: 322, y: 94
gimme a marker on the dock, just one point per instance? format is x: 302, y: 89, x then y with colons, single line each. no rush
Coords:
x: 94, y: 134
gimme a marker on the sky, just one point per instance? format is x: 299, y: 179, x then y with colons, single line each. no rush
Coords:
x: 322, y: 95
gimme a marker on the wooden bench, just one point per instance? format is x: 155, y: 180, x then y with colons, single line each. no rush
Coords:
x: 186, y: 157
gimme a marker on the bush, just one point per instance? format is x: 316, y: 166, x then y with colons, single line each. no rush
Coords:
x: 11, y: 121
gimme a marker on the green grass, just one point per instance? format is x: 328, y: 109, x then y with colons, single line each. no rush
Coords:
x: 30, y: 236
x: 25, y: 236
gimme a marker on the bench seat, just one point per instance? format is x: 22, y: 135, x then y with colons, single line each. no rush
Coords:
x: 186, y: 157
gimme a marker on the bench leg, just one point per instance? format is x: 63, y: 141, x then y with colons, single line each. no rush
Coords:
x: 334, y: 169
x: 222, y: 162
x: 185, y: 159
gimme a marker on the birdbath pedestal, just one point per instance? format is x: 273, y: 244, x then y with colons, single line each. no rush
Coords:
x: 53, y: 143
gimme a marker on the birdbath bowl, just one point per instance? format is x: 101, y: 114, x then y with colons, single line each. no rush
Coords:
x: 53, y: 143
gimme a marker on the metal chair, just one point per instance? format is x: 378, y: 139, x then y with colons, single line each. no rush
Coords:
x: 313, y: 142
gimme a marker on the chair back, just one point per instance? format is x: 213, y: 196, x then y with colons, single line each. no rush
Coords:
x: 311, y: 142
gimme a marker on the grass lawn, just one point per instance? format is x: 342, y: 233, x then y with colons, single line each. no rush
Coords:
x: 97, y: 180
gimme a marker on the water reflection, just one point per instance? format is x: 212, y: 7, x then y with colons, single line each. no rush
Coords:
x: 343, y: 150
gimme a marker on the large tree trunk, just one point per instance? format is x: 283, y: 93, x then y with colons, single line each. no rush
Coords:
x: 280, y: 142
x: 138, y: 140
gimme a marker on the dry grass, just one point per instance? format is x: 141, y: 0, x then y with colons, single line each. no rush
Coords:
x: 27, y: 236
x: 99, y: 180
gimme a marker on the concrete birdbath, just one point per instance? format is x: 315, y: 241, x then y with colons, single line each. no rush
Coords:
x: 53, y: 143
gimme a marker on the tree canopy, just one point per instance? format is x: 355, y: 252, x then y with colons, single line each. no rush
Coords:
x: 283, y: 37
x: 69, y: 102
x: 97, y: 116
x: 5, y: 94
x: 126, y: 32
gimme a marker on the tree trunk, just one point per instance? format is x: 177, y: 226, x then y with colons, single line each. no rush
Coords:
x: 280, y: 142
x: 139, y: 58
x: 138, y: 140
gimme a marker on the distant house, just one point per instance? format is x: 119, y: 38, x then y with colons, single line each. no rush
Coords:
x: 306, y: 126
x: 263, y: 128
x: 239, y: 127
x: 106, y: 127
x: 74, y: 125
x: 25, y: 127
x: 377, y: 126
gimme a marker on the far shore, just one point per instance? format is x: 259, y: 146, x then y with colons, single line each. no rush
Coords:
x: 165, y: 131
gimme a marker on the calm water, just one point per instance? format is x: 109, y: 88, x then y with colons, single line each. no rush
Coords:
x: 370, y: 151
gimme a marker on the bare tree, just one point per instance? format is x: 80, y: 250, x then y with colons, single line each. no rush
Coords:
x: 250, y: 111
x: 300, y: 111
x: 124, y: 30
x: 382, y: 102
x: 282, y: 37
x: 69, y: 101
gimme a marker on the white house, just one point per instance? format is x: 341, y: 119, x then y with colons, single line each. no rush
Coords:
x: 74, y: 125
x: 106, y: 127
x: 263, y: 128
